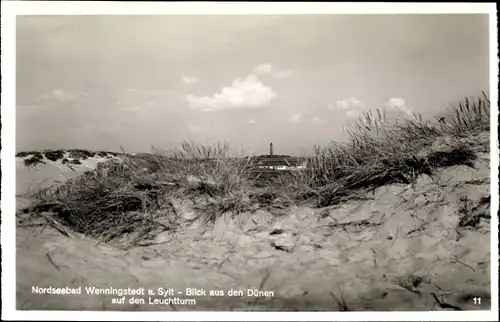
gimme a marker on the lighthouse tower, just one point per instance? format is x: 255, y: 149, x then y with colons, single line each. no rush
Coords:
x: 271, y: 149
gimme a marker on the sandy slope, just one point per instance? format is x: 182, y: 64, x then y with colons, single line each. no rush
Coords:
x: 401, y: 253
x: 31, y: 178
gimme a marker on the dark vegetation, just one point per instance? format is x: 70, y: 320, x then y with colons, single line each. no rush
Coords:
x: 75, y: 156
x: 36, y: 158
x: 54, y: 155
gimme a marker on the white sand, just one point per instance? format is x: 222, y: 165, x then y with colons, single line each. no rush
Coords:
x: 414, y: 245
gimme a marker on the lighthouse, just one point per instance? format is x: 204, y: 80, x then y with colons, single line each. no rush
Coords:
x: 271, y: 149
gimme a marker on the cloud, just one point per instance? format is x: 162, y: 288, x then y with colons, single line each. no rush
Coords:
x: 347, y: 104
x: 282, y: 74
x: 353, y: 107
x: 317, y: 120
x: 295, y: 118
x: 399, y: 104
x: 190, y: 80
x: 63, y: 96
x: 248, y: 93
x: 59, y: 96
x: 263, y: 69
x: 55, y: 99
x: 252, y: 121
x: 268, y: 69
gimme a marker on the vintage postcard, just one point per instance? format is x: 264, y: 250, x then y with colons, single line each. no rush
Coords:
x: 239, y: 161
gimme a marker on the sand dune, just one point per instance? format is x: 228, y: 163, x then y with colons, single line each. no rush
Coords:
x: 397, y: 250
x: 49, y: 172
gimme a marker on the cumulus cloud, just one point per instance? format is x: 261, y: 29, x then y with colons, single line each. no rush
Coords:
x: 295, y: 118
x: 242, y: 94
x: 190, y: 80
x: 347, y: 104
x: 263, y: 69
x: 282, y: 74
x: 62, y: 96
x: 317, y: 120
x: 268, y: 69
x: 353, y: 107
x: 399, y: 104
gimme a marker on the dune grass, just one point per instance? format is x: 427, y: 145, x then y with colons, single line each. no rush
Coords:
x: 378, y: 152
x: 135, y: 197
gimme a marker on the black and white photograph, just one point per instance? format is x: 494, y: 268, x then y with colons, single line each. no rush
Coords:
x: 283, y: 163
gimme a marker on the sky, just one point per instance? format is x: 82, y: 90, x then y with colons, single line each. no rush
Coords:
x: 101, y: 82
